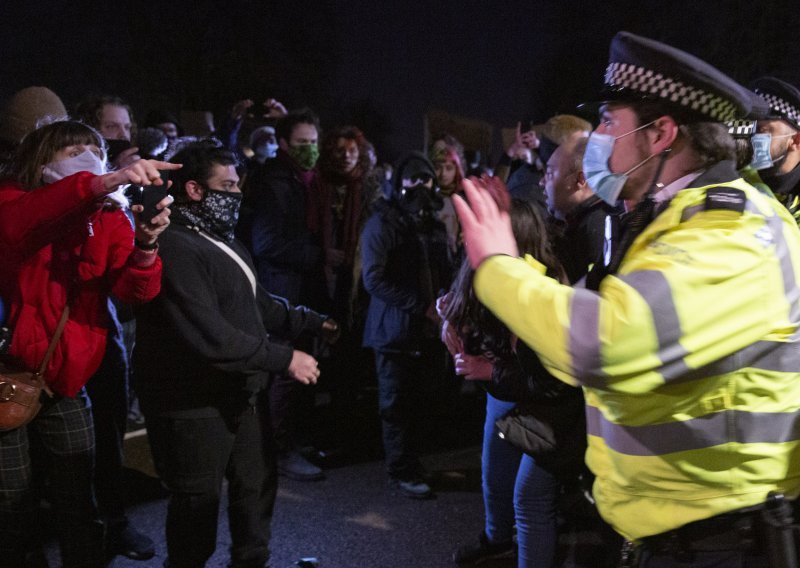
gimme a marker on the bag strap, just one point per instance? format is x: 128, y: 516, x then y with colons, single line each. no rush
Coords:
x: 56, y: 336
x: 236, y: 258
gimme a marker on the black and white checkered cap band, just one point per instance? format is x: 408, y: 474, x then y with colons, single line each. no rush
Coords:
x: 741, y: 127
x: 781, y: 106
x: 655, y: 84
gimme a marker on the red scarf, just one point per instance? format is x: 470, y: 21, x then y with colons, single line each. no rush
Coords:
x: 349, y: 225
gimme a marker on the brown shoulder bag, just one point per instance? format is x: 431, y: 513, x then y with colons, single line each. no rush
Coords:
x: 21, y: 390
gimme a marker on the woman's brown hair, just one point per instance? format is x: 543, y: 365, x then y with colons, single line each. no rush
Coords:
x: 475, y: 324
x: 40, y: 146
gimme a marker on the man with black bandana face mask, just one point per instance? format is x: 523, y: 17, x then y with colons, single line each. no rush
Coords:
x: 776, y: 143
x: 204, y: 355
x: 406, y: 265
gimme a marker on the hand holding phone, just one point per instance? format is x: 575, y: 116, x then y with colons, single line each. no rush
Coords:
x: 149, y: 196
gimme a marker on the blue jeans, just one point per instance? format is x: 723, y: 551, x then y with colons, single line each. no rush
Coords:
x: 535, y: 506
x: 515, y: 488
x: 499, y: 465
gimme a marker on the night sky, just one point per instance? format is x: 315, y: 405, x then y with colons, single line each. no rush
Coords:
x: 379, y: 65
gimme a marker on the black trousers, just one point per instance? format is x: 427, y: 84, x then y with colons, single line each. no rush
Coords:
x: 738, y: 540
x: 710, y: 559
x: 193, y: 455
x: 108, y: 389
x: 409, y: 398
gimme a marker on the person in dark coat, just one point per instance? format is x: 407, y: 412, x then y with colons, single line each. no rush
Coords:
x: 350, y: 186
x: 283, y: 225
x: 405, y: 266
x: 205, y: 350
x: 578, y: 216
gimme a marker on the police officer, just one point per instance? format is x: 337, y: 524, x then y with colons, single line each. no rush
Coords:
x: 777, y: 141
x: 688, y: 351
x: 742, y: 132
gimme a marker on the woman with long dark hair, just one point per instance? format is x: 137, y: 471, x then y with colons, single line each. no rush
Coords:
x: 516, y: 489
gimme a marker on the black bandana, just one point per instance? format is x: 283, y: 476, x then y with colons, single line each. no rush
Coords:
x: 217, y: 213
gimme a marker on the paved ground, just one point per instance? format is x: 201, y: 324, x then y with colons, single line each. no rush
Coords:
x: 351, y: 519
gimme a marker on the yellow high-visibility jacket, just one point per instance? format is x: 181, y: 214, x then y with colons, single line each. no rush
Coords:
x: 689, y: 357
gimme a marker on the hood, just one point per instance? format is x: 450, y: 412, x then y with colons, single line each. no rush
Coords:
x: 413, y: 163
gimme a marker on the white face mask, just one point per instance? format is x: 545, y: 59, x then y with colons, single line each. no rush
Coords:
x: 84, y: 162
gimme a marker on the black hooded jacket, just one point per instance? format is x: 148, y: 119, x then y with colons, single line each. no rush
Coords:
x: 405, y: 266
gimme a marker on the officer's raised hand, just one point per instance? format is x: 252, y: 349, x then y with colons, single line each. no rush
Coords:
x: 486, y: 229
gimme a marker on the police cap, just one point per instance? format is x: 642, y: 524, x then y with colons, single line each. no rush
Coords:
x: 642, y: 69
x: 741, y: 128
x: 745, y: 128
x: 783, y: 99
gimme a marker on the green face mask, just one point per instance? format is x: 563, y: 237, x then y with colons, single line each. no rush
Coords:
x: 305, y: 155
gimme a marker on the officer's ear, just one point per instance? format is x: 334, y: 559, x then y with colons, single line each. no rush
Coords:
x: 794, y: 141
x: 664, y: 133
x: 194, y: 191
x: 580, y: 180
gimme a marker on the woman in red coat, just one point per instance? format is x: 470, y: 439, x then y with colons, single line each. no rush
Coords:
x: 63, y: 239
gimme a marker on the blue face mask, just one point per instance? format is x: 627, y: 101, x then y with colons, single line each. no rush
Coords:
x: 266, y: 150
x: 606, y: 184
x: 762, y: 156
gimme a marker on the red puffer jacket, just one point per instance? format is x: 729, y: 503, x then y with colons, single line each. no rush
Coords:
x: 56, y: 240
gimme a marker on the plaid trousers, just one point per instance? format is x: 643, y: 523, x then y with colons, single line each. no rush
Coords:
x: 55, y: 452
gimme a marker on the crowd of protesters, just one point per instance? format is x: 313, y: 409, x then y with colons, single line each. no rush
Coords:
x: 277, y: 254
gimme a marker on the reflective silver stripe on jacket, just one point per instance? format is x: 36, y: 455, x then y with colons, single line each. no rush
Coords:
x: 653, y: 287
x: 694, y: 434
x: 761, y: 355
x: 584, y: 337
x: 776, y: 226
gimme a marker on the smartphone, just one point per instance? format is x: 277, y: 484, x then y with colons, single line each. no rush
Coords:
x: 149, y: 196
